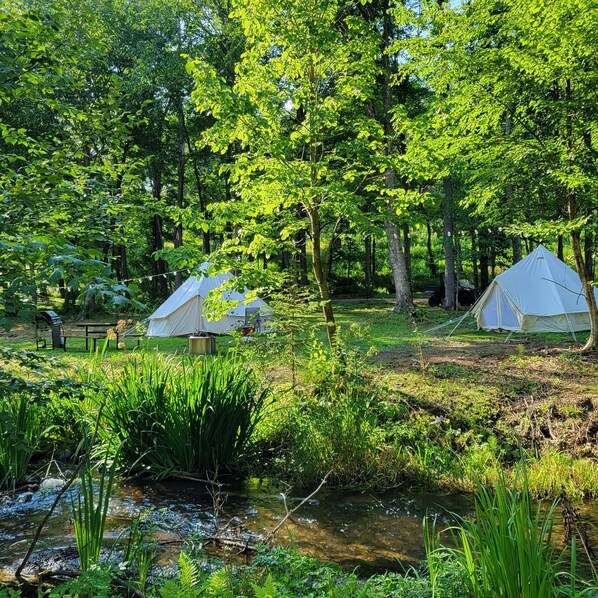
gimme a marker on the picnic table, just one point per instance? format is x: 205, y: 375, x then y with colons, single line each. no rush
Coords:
x: 97, y: 330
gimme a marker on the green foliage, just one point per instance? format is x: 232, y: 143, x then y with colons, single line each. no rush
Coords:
x: 139, y: 551
x: 51, y: 391
x: 97, y: 582
x: 20, y: 432
x: 90, y: 509
x: 507, y: 550
x: 336, y: 432
x: 183, y: 416
x: 187, y: 584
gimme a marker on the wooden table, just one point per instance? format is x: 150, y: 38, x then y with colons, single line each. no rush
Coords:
x: 96, y: 330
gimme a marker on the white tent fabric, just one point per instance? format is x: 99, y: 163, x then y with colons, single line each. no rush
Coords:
x: 538, y: 294
x: 182, y: 313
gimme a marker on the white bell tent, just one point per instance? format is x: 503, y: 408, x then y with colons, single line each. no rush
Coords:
x: 183, y: 312
x: 538, y: 294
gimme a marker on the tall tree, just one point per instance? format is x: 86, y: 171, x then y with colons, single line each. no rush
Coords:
x: 294, y: 112
x: 534, y: 63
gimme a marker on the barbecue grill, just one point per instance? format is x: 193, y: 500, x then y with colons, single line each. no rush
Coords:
x: 48, y: 322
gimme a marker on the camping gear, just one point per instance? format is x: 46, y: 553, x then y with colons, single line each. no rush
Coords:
x: 202, y: 345
x: 538, y: 294
x: 466, y: 294
x: 183, y: 314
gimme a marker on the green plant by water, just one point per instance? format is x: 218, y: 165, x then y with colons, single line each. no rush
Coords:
x: 90, y: 509
x: 507, y: 549
x: 183, y: 416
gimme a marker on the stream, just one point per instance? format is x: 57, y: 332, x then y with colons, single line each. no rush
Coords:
x: 368, y: 531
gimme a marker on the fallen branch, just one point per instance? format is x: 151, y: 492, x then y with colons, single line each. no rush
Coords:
x: 59, y: 495
x: 268, y: 538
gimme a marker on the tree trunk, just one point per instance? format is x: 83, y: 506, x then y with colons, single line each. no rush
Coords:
x: 374, y: 269
x: 474, y: 260
x: 572, y: 211
x: 301, y: 257
x: 517, y: 249
x: 450, y: 282
x: 159, y: 282
x: 180, y: 196
x: 316, y: 238
x: 560, y: 253
x: 205, y: 233
x: 515, y: 241
x: 396, y: 255
x: 588, y: 249
x: 484, y: 279
x: 431, y: 259
x: 404, y: 296
x: 407, y: 248
x: 588, y: 289
x: 367, y: 265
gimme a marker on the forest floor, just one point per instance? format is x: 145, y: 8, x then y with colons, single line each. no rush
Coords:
x: 546, y: 393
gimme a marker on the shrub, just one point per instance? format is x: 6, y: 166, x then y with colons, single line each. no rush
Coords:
x: 183, y: 416
x: 20, y: 432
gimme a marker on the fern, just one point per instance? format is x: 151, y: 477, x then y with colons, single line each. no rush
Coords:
x: 268, y: 590
x: 187, y: 584
x: 218, y: 585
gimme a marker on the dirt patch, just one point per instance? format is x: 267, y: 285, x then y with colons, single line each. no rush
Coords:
x: 547, y: 396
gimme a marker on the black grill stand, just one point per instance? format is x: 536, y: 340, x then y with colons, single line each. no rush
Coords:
x: 49, y: 321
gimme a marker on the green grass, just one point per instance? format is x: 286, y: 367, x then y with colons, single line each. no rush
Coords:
x: 20, y: 434
x: 507, y: 549
x: 182, y: 417
x: 432, y: 418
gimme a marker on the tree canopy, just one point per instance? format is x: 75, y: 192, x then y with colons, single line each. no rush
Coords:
x: 360, y: 146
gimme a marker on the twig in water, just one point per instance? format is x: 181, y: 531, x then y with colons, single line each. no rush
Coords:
x: 59, y: 495
x: 268, y: 537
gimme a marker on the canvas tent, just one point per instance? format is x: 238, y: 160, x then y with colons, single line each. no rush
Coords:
x: 538, y: 294
x: 183, y: 312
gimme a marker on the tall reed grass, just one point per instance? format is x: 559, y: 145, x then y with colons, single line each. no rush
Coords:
x: 90, y: 509
x: 20, y: 433
x: 507, y: 549
x: 183, y: 417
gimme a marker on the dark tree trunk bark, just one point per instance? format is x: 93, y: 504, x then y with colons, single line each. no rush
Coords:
x: 301, y: 257
x: 180, y: 195
x: 515, y: 241
x: 484, y: 278
x: 517, y: 249
x: 450, y: 282
x: 474, y: 260
x: 588, y: 289
x: 374, y: 268
x: 320, y: 277
x: 205, y: 234
x: 407, y: 249
x: 588, y: 249
x: 367, y: 265
x: 431, y: 259
x: 560, y: 253
x: 159, y: 281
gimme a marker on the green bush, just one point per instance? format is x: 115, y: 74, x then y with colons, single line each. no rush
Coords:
x: 507, y: 549
x: 185, y: 416
x: 20, y: 432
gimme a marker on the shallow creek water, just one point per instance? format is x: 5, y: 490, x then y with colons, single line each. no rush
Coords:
x: 373, y: 532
